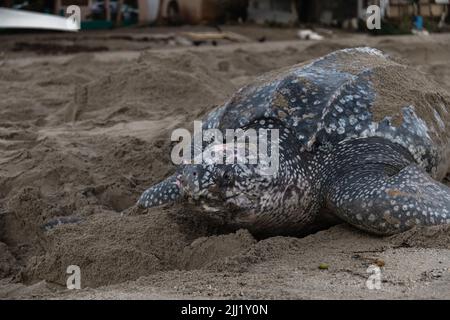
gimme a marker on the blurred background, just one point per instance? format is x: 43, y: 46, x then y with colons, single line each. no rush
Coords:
x: 145, y: 24
x: 399, y: 16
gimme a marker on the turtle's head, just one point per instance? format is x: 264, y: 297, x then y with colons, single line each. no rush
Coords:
x: 224, y: 188
x: 250, y: 195
x: 215, y: 186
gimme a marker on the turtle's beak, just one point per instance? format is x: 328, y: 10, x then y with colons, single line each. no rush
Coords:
x: 165, y: 192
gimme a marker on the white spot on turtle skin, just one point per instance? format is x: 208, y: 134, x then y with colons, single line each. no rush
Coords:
x: 362, y: 117
x: 209, y: 209
x: 372, y: 217
x: 367, y: 50
x: 417, y: 125
x: 439, y: 119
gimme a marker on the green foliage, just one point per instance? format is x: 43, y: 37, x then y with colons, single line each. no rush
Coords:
x: 431, y: 25
x: 389, y: 27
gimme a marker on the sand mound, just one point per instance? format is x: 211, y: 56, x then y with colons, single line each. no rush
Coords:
x: 113, y: 248
x: 150, y: 88
x: 8, y: 264
x: 291, y: 268
x: 432, y: 237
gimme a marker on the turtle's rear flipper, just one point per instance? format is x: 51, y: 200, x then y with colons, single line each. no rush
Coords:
x: 385, y: 204
x: 165, y: 192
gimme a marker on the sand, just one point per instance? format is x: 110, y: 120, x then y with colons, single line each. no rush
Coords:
x: 83, y: 134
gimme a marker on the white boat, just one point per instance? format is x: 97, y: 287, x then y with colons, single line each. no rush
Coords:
x: 21, y: 19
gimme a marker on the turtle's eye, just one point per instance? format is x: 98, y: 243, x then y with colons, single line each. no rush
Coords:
x: 227, y: 177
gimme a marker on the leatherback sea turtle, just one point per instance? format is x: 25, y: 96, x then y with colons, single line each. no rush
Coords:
x: 361, y: 136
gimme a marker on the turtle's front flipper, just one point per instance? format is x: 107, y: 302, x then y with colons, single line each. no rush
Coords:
x: 167, y: 191
x: 385, y: 203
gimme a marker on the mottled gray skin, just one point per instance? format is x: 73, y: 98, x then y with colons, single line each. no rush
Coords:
x: 334, y: 157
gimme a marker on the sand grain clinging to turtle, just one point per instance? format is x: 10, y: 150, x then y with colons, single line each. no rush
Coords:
x: 354, y: 140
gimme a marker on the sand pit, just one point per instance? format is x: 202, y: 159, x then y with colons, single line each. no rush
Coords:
x: 82, y: 135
